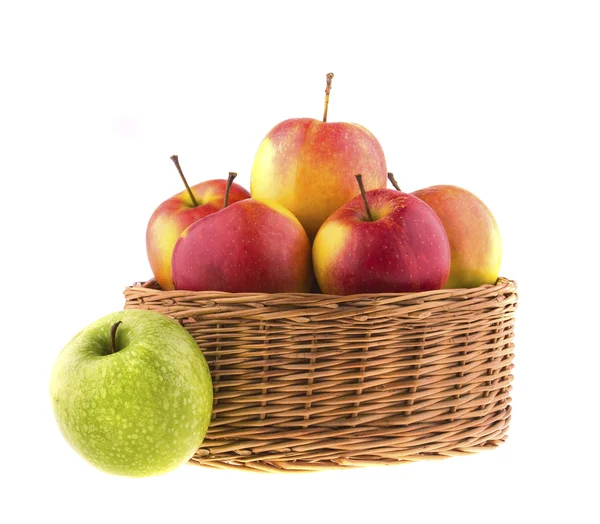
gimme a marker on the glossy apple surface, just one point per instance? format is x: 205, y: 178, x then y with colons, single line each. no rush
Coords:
x: 175, y: 214
x: 141, y: 410
x: 249, y: 246
x: 475, y: 242
x: 404, y: 248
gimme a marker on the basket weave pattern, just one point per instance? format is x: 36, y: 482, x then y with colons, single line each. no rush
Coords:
x: 310, y: 382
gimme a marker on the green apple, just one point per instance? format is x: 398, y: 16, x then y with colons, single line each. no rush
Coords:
x: 132, y: 393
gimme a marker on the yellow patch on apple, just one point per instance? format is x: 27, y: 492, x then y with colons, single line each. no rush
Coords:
x: 335, y: 235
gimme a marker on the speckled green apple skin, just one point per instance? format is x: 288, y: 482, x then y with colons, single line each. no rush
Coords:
x: 141, y: 411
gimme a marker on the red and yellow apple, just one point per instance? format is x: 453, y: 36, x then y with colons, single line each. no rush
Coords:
x: 175, y: 214
x: 308, y: 166
x: 475, y: 243
x: 249, y: 246
x: 396, y: 243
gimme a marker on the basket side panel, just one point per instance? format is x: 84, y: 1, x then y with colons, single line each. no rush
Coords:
x: 313, y: 382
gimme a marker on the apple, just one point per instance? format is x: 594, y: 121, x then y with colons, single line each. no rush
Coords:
x: 176, y: 213
x: 382, y: 241
x: 132, y: 393
x: 475, y: 242
x: 308, y: 166
x: 248, y: 246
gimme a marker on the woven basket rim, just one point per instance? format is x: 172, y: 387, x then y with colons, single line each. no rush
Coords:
x: 502, y: 284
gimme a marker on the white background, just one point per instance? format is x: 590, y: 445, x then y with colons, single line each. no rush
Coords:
x: 501, y: 98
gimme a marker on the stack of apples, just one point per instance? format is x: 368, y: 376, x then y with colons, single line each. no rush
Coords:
x: 319, y: 218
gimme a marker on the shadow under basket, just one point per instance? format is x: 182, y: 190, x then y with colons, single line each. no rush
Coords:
x: 310, y: 382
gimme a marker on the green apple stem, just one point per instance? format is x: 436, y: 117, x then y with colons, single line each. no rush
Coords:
x: 113, y: 336
x: 392, y: 179
x: 327, y: 91
x: 175, y: 160
x: 364, y: 196
x: 230, y: 180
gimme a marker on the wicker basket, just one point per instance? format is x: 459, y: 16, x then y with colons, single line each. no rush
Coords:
x: 311, y: 382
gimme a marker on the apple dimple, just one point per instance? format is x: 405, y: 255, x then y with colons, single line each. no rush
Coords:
x: 190, y: 205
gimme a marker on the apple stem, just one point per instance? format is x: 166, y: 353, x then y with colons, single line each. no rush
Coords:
x: 229, y: 182
x: 393, y: 181
x: 327, y: 91
x: 175, y: 160
x: 113, y: 335
x: 364, y: 196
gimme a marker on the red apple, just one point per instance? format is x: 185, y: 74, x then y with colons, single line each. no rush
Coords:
x: 475, y: 243
x: 308, y: 166
x: 249, y: 246
x: 175, y: 214
x: 382, y: 241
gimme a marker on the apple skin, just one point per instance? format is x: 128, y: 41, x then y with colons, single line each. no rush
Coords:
x: 405, y: 247
x: 175, y: 214
x: 309, y: 167
x: 143, y: 410
x: 249, y: 246
x: 475, y: 242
